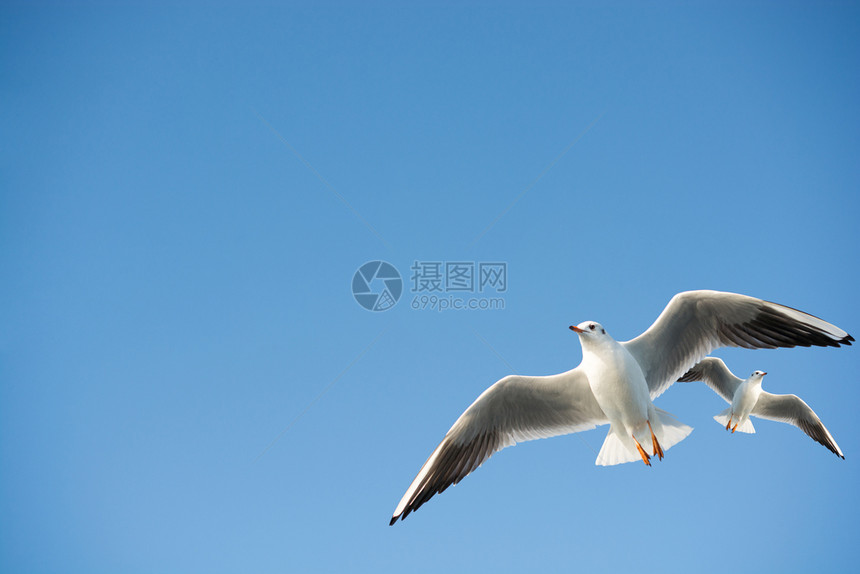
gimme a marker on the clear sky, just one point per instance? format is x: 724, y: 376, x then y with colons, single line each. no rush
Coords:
x: 187, y: 383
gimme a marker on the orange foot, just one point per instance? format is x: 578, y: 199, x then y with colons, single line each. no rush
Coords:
x: 734, y: 427
x: 658, y: 450
x: 728, y: 424
x: 645, y: 458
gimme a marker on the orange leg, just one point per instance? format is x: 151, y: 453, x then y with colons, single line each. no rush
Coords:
x: 645, y: 458
x: 728, y: 424
x: 734, y: 427
x: 658, y: 450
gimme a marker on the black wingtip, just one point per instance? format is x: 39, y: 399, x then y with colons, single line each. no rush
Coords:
x: 847, y: 340
x: 393, y: 520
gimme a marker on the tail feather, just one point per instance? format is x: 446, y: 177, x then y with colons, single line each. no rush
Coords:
x: 673, y: 431
x: 615, y: 449
x: 619, y: 448
x: 723, y: 419
x: 747, y: 427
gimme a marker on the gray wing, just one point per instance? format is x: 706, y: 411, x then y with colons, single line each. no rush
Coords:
x: 514, y: 409
x: 715, y: 374
x: 694, y: 323
x: 793, y: 410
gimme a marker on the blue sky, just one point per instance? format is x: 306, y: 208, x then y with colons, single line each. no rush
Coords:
x: 188, y: 385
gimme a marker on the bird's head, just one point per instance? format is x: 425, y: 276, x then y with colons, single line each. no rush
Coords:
x: 757, y: 375
x: 590, y: 332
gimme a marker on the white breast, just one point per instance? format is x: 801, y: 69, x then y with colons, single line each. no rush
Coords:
x: 745, y: 399
x: 617, y: 383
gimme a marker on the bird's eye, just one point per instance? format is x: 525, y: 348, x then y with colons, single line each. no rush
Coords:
x: 591, y: 327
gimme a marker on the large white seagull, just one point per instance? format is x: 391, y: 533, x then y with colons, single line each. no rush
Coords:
x: 615, y: 383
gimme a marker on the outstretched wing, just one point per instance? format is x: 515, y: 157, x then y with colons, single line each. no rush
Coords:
x: 793, y: 410
x: 513, y: 410
x: 694, y: 323
x: 715, y: 374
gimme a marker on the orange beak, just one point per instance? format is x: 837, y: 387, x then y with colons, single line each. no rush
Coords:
x: 576, y: 329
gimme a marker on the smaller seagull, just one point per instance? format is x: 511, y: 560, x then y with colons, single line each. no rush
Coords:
x: 748, y: 398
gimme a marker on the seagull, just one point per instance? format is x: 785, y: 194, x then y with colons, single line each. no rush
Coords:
x: 747, y: 398
x: 615, y: 384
